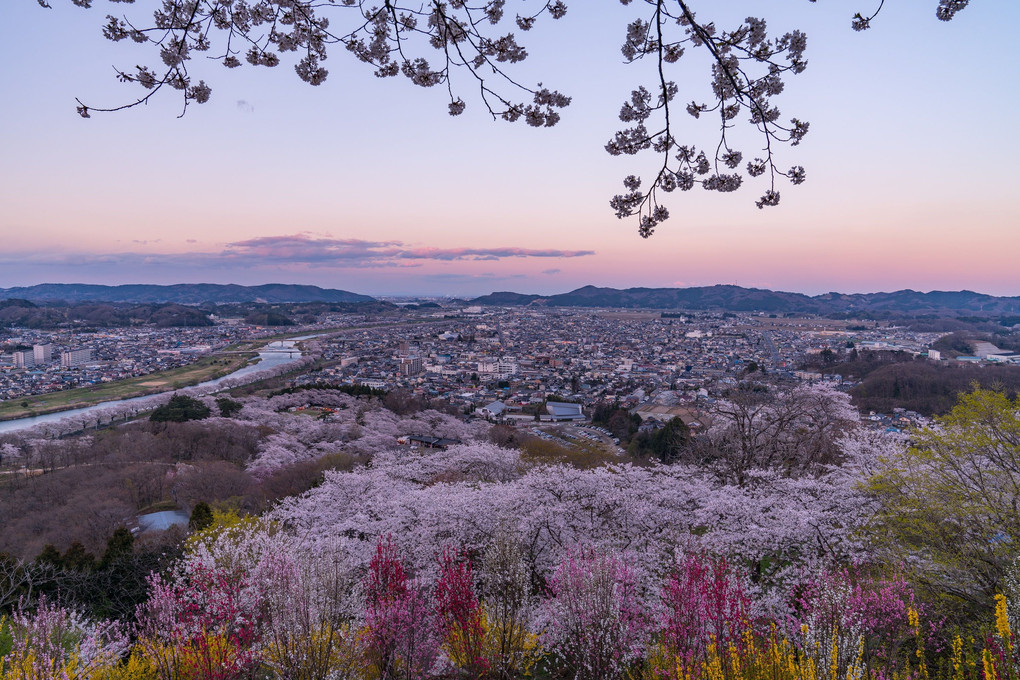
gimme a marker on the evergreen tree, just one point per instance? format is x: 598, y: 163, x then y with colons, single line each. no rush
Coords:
x: 179, y: 409
x: 120, y: 545
x: 201, y: 517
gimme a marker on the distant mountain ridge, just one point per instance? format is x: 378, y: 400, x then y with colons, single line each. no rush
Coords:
x: 181, y: 293
x: 721, y: 297
x: 739, y: 299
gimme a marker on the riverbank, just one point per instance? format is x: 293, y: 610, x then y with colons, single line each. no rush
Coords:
x: 205, y: 369
x: 275, y: 356
x: 234, y: 361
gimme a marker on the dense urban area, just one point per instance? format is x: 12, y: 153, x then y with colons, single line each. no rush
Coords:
x: 505, y: 360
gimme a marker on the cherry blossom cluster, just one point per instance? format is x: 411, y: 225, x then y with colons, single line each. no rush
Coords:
x: 250, y: 597
x: 468, y: 492
x: 747, y: 69
x: 360, y: 428
x: 55, y: 643
x: 427, y: 43
x: 118, y: 412
x: 596, y: 620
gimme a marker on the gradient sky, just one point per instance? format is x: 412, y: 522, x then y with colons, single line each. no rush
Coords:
x: 368, y: 185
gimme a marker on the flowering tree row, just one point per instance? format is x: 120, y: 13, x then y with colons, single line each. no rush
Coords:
x: 116, y: 412
x: 774, y: 523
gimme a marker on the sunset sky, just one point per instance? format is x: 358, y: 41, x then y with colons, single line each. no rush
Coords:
x: 369, y: 185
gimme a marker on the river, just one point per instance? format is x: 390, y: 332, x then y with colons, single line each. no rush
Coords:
x: 270, y: 356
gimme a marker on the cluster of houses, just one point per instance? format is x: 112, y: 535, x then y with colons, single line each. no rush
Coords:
x: 39, y: 362
x: 509, y: 364
x: 504, y: 364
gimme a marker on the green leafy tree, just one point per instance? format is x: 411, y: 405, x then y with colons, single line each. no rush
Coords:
x: 77, y: 558
x: 616, y: 419
x: 949, y: 503
x: 50, y: 556
x: 117, y: 585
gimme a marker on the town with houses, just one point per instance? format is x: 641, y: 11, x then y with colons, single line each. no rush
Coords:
x: 505, y: 364
x: 39, y: 362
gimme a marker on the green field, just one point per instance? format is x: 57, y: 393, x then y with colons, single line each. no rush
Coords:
x: 207, y: 368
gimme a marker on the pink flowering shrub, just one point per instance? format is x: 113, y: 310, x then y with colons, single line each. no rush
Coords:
x: 703, y: 602
x: 203, y: 624
x: 401, y: 634
x: 459, y: 615
x: 596, y: 622
x: 867, y: 618
x: 55, y: 643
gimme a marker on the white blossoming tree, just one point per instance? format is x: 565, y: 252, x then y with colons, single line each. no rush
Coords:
x: 472, y: 44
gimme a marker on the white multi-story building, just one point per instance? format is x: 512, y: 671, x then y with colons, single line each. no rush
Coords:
x: 24, y: 359
x: 43, y: 353
x: 501, y: 368
x: 410, y: 365
x: 75, y: 357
